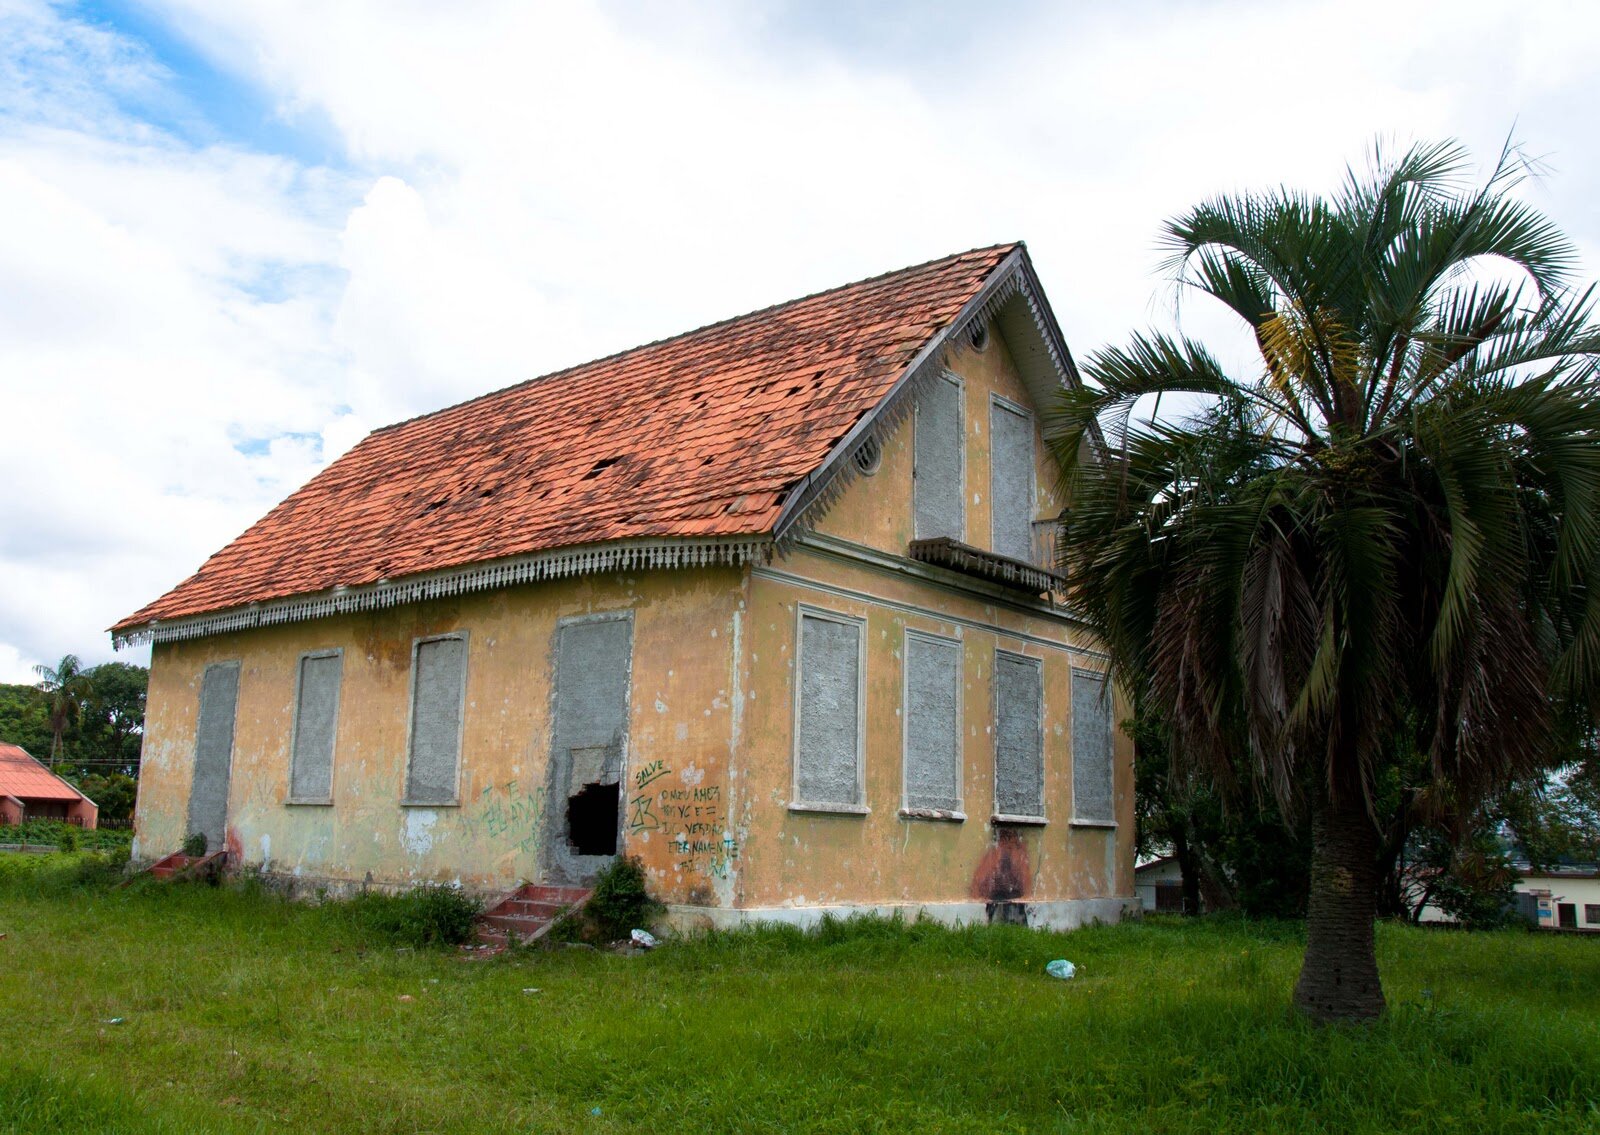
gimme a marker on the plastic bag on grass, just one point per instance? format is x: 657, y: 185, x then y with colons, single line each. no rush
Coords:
x: 1061, y: 968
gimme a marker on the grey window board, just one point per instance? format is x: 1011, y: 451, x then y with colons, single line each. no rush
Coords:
x: 438, y: 703
x: 939, y: 459
x: 319, y: 677
x: 1012, y: 474
x: 931, y: 726
x: 830, y: 669
x: 1093, y: 801
x: 1019, y: 735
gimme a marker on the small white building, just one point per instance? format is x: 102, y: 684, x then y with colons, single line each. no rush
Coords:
x: 1562, y: 898
x: 1159, y: 884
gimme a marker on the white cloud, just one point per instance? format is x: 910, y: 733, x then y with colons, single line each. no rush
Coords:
x: 187, y: 332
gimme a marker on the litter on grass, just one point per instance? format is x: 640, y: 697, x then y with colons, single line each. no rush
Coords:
x: 644, y: 939
x: 1061, y: 968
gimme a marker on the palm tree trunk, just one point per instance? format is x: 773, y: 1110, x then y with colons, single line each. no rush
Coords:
x: 1339, y: 977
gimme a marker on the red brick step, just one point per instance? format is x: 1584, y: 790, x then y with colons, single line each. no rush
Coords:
x: 528, y: 912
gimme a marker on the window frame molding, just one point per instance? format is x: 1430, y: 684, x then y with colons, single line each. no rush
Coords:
x: 1000, y: 401
x: 290, y: 799
x: 417, y: 643
x: 1103, y: 677
x: 960, y: 384
x: 804, y: 611
x: 907, y: 812
x: 997, y: 816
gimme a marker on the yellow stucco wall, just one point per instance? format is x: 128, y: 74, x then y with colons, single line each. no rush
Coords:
x: 710, y: 739
x: 877, y: 511
x: 793, y: 858
x: 681, y: 714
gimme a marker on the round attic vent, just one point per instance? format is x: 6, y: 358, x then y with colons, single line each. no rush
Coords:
x: 978, y: 335
x: 868, y: 456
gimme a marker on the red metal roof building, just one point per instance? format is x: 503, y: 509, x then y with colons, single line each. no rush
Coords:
x: 29, y: 791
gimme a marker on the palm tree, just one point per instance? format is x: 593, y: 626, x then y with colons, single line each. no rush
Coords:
x: 1386, y: 540
x: 66, y: 688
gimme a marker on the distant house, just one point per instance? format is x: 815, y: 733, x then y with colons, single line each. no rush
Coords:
x: 768, y: 604
x: 1159, y: 884
x: 29, y: 791
x: 1561, y: 898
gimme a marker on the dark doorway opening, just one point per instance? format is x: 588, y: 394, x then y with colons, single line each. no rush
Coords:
x: 592, y: 820
x: 1567, y: 913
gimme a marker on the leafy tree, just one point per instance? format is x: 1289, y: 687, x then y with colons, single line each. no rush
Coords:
x: 1390, y: 533
x: 113, y: 793
x: 66, y: 687
x: 110, y: 728
x: 24, y: 718
x: 1239, y: 852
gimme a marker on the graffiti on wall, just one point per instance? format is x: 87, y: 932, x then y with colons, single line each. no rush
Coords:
x: 691, y: 818
x: 511, y: 813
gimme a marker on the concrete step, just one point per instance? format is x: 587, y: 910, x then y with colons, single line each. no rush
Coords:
x: 530, y: 908
x: 542, y: 892
x: 528, y: 912
x: 499, y: 928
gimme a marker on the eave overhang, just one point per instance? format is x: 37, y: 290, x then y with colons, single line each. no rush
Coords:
x: 557, y: 563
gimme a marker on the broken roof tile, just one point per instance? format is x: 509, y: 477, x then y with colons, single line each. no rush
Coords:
x: 704, y: 434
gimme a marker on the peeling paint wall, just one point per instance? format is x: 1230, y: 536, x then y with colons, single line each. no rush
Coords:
x: 879, y: 511
x: 703, y: 761
x: 675, y: 771
x: 806, y: 858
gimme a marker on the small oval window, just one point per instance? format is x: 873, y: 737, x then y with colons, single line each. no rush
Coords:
x: 978, y: 336
x: 868, y: 456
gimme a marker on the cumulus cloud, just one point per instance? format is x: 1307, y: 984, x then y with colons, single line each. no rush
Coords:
x: 190, y: 329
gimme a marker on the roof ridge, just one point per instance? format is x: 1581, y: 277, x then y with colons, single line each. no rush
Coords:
x: 615, y: 355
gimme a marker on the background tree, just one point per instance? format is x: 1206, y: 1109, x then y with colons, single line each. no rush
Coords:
x: 1387, y: 539
x: 24, y: 718
x: 66, y: 687
x: 98, y: 749
x: 110, y: 727
x: 1232, y: 853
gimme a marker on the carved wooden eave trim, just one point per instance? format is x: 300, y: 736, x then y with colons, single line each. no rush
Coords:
x: 559, y: 563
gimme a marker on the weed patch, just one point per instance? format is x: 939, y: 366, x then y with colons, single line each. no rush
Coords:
x: 430, y: 915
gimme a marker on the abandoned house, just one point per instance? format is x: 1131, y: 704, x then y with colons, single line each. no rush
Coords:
x: 768, y: 605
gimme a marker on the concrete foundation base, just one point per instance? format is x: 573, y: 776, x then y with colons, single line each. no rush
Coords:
x: 1055, y: 914
x: 1058, y: 914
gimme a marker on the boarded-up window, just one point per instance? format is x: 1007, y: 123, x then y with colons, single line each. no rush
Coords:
x: 1011, y: 477
x: 438, y: 687
x: 939, y: 462
x: 1019, y: 741
x: 933, y: 723
x: 316, y: 716
x: 827, y: 758
x: 213, y: 754
x: 1091, y: 749
x: 593, y: 658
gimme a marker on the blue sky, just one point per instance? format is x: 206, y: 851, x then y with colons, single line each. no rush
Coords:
x: 241, y: 235
x: 201, y: 102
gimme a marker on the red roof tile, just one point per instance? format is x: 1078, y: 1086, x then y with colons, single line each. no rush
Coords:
x: 700, y: 435
x: 25, y: 778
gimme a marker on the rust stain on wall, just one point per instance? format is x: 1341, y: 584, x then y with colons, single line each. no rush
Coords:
x: 1002, y: 874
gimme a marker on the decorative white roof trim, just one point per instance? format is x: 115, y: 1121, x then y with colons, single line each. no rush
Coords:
x: 559, y: 563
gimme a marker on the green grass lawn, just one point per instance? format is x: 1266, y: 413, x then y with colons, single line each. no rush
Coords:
x: 239, y: 1012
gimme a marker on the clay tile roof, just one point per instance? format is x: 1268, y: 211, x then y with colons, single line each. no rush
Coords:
x: 25, y: 778
x: 700, y: 435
